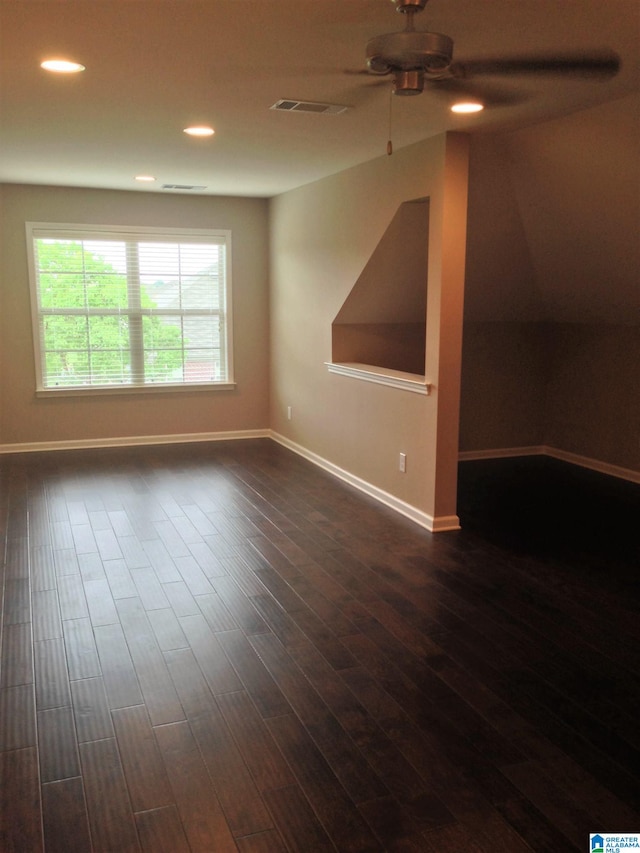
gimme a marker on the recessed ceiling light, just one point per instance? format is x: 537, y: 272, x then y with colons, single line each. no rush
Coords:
x: 467, y: 107
x: 199, y: 130
x: 145, y: 178
x: 62, y: 66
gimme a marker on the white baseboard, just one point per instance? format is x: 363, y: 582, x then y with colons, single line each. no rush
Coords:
x: 433, y: 525
x: 500, y: 453
x: 594, y: 465
x: 564, y: 455
x: 131, y: 441
x: 451, y: 522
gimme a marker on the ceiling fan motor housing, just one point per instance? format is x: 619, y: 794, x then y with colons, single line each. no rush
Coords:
x: 409, y: 51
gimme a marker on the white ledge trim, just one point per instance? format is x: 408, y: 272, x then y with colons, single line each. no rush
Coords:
x: 381, y: 376
x: 160, y: 388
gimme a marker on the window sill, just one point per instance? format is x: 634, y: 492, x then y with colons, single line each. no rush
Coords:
x: 127, y: 390
x: 381, y: 376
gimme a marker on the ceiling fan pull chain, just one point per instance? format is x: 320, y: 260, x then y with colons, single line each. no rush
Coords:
x: 389, y: 142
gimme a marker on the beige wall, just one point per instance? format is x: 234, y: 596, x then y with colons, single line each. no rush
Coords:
x: 505, y: 369
x: 500, y: 282
x: 552, y: 299
x: 576, y: 184
x: 322, y: 236
x: 570, y: 386
x: 25, y: 419
x: 593, y: 392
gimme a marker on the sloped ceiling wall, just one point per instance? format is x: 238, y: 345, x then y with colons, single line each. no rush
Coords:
x: 577, y: 183
x: 500, y: 280
x: 554, y: 217
x: 392, y: 285
x: 551, y: 351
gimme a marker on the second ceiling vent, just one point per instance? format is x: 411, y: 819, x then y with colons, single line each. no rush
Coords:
x: 291, y: 106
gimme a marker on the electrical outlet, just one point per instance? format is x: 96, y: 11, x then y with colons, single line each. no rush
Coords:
x: 402, y: 463
x: 289, y: 413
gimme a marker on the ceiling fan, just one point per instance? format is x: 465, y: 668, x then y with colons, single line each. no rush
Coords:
x: 416, y: 57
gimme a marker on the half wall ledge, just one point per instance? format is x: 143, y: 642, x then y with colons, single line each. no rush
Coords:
x: 381, y: 376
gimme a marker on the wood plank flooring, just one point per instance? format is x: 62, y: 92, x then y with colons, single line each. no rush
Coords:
x: 219, y: 647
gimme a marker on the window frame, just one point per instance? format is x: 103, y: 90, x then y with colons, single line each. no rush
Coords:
x: 130, y: 234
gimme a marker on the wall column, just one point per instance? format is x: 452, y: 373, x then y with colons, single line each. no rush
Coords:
x: 445, y: 304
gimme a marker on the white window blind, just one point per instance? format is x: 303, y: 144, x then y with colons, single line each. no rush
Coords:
x: 116, y: 308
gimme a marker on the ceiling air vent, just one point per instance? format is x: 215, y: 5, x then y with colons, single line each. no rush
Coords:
x: 183, y: 187
x: 291, y: 106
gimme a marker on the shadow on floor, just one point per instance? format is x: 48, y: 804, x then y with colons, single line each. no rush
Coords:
x: 551, y: 509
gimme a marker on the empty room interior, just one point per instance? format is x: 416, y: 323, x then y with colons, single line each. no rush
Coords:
x: 319, y: 425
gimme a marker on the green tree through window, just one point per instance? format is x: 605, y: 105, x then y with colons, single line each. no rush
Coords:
x: 129, y: 307
x: 95, y: 349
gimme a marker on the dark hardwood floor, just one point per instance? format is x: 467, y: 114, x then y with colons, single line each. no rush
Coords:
x: 219, y: 647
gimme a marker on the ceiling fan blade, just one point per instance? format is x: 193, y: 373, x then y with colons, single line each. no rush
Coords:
x: 491, y: 96
x: 370, y: 81
x: 599, y: 64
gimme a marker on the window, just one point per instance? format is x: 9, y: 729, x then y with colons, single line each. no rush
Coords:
x: 129, y: 308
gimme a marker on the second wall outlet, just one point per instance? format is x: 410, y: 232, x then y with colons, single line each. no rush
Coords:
x: 289, y: 413
x: 402, y: 462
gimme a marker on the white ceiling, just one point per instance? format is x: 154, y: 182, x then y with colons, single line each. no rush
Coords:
x: 156, y: 66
